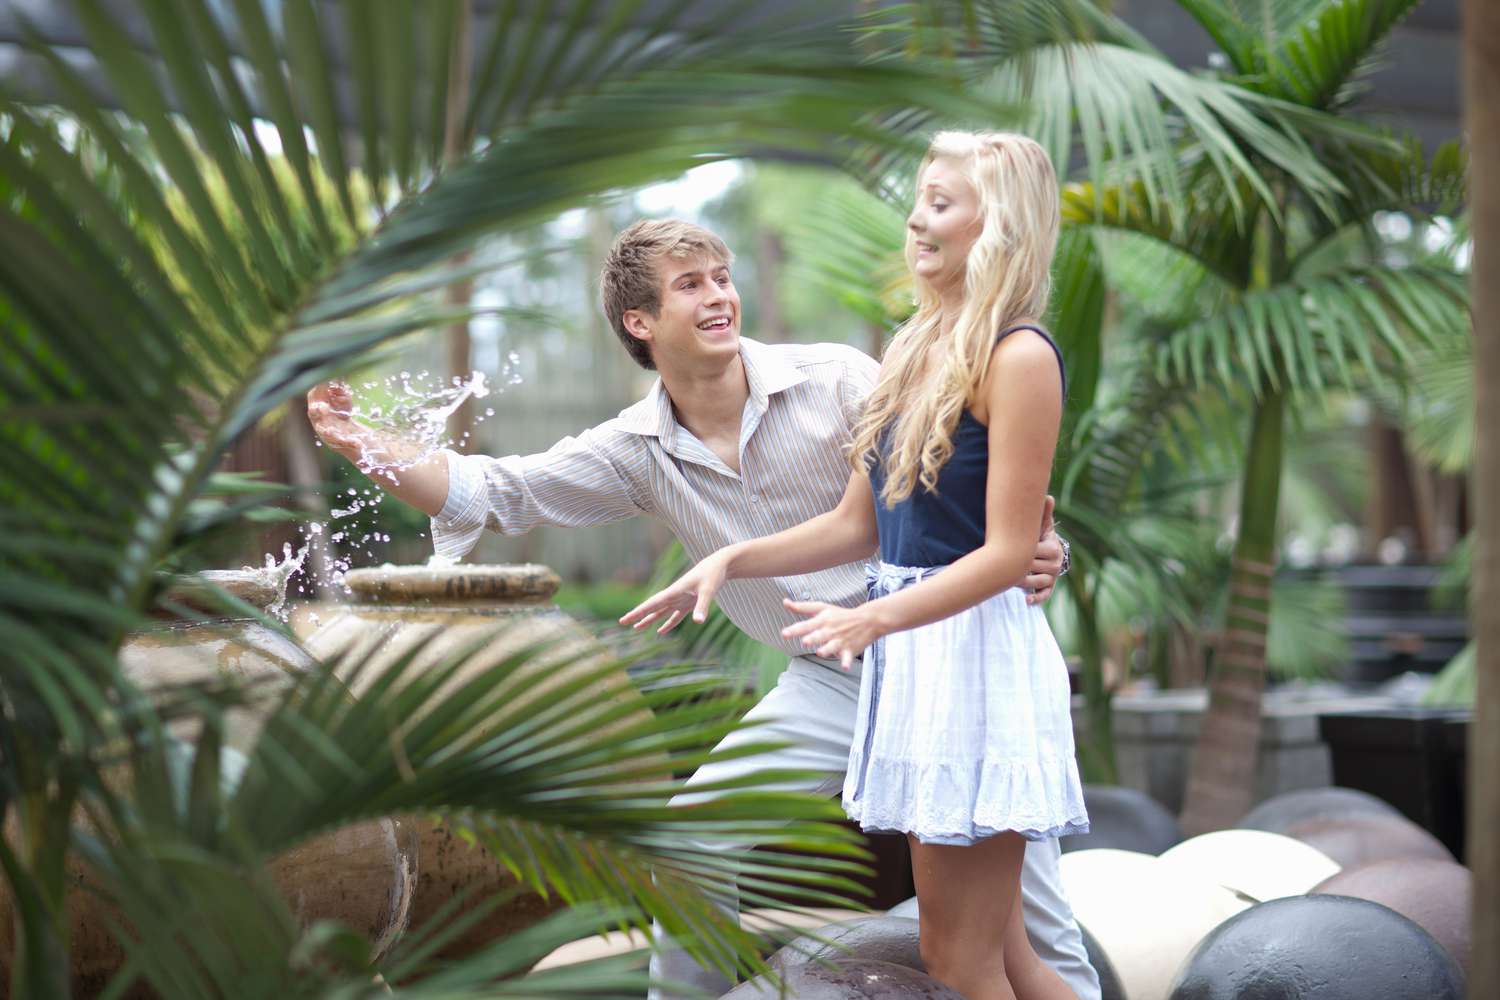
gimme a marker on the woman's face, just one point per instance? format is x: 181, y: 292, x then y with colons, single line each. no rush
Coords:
x: 943, y: 225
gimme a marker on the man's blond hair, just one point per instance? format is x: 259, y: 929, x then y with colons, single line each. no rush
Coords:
x: 630, y: 280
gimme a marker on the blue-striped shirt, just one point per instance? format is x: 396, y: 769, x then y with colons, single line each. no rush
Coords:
x: 797, y: 424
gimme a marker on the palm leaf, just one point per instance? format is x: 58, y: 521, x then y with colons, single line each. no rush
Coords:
x: 1438, y: 410
x: 570, y: 790
x: 851, y: 247
x: 238, y: 351
x: 1303, y: 51
x: 1307, y: 335
x: 1088, y: 78
x: 171, y: 274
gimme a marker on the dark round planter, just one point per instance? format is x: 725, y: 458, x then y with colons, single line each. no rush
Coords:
x: 1319, y: 948
x: 1124, y: 819
x: 1435, y: 895
x: 847, y: 979
x: 1110, y: 985
x: 1282, y: 812
x: 881, y: 939
x: 1360, y: 840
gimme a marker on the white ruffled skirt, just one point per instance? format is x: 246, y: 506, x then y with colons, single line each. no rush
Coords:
x: 964, y: 729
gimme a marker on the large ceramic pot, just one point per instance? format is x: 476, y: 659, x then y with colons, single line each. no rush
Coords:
x: 361, y: 875
x: 184, y: 650
x: 441, y: 613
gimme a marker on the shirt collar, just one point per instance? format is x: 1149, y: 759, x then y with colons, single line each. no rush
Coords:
x: 766, y: 373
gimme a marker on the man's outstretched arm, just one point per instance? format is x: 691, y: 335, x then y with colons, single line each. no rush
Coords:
x: 1047, y: 564
x: 576, y: 483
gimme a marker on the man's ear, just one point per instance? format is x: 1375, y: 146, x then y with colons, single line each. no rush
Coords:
x: 637, y: 324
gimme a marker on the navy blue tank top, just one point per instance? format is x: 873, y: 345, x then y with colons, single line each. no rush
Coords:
x: 936, y: 528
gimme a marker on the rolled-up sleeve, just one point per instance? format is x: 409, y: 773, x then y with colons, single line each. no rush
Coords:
x: 575, y: 483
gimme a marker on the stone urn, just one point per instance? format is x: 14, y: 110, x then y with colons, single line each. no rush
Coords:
x: 491, y: 614
x: 205, y: 643
x: 361, y: 875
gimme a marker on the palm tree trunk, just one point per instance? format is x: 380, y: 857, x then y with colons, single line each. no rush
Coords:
x: 1481, y: 33
x: 1221, y: 784
x: 455, y: 146
x: 1097, y: 754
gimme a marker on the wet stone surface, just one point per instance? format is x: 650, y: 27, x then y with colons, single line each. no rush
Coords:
x: 1318, y: 948
x: 848, y: 979
x: 881, y: 939
x: 1435, y: 895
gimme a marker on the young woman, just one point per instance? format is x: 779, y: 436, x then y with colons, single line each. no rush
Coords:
x: 965, y: 741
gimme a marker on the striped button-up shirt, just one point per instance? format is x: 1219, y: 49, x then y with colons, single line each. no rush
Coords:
x: 796, y: 427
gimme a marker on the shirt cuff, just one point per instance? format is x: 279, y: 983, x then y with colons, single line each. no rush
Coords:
x: 457, y: 527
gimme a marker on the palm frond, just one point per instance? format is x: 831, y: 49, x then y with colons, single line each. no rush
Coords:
x: 1438, y: 410
x: 220, y: 205
x: 1205, y: 232
x: 1307, y: 335
x: 1077, y: 317
x: 851, y: 246
x: 230, y: 329
x: 1309, y: 52
x: 1087, y: 78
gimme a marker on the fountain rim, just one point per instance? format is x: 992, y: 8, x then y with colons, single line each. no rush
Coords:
x: 464, y: 583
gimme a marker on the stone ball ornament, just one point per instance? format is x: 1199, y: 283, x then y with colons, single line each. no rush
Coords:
x: 1125, y: 819
x: 906, y: 908
x: 1353, y: 841
x: 1110, y: 986
x: 1280, y: 813
x: 1435, y: 895
x: 1252, y: 863
x: 881, y: 938
x: 1318, y: 948
x: 1144, y: 917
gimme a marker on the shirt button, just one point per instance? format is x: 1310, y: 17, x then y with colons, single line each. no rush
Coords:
x: 755, y: 498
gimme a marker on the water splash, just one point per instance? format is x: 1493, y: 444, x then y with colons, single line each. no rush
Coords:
x: 277, y: 574
x: 409, y: 415
x: 409, y: 412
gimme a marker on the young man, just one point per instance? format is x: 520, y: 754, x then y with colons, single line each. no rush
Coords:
x: 736, y: 439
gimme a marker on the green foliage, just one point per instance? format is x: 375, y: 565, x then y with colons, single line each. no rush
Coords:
x: 256, y: 203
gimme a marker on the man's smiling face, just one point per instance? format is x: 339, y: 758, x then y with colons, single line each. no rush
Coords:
x: 700, y: 312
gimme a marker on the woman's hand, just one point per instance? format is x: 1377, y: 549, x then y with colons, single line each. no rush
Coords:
x: 693, y: 592
x: 834, y: 632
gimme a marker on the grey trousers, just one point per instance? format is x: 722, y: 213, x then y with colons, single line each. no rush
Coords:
x: 813, y: 707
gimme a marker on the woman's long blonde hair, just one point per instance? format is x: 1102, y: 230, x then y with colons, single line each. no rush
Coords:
x: 1007, y: 278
